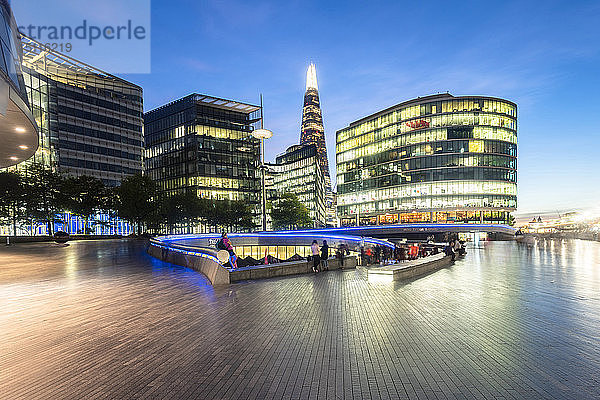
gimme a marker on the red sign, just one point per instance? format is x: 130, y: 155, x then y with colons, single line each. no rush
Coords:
x: 418, y: 124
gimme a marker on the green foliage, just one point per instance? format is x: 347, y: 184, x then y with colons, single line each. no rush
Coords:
x: 230, y: 214
x: 11, y: 198
x: 137, y: 200
x: 240, y: 215
x: 182, y: 208
x: 83, y: 196
x: 511, y: 220
x: 287, y: 212
x: 43, y: 197
x: 40, y: 194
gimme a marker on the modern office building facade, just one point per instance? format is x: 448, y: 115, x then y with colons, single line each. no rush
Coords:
x: 299, y: 171
x: 438, y: 158
x: 18, y: 130
x: 90, y: 121
x: 203, y: 144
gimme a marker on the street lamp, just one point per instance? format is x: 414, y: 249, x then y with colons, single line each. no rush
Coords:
x: 263, y: 134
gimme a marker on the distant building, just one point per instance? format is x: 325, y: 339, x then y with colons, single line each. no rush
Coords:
x: 331, y: 210
x: 90, y: 121
x: 313, y: 131
x: 203, y: 144
x: 18, y: 130
x: 298, y: 171
x: 432, y: 159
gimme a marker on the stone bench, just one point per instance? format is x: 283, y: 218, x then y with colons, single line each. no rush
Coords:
x: 413, y: 268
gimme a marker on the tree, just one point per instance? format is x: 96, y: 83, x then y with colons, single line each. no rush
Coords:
x: 287, y: 212
x: 137, y: 200
x: 43, y: 197
x: 84, y: 196
x: 11, y: 198
x: 241, y: 215
x: 182, y: 208
x: 220, y: 213
x: 511, y: 220
x: 109, y: 205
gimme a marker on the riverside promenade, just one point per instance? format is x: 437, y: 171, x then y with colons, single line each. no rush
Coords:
x: 102, y: 319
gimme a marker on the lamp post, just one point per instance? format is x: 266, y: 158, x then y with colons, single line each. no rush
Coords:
x: 262, y: 134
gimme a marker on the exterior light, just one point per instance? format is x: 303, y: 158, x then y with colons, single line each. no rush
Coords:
x: 14, y: 158
x: 23, y: 147
x: 262, y: 133
x: 20, y: 129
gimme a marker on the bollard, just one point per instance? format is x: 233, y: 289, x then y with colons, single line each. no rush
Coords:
x: 8, y: 240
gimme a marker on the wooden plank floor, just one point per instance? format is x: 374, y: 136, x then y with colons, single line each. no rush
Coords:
x: 103, y: 320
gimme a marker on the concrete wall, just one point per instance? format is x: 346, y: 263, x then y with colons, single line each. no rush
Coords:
x: 215, y: 272
x: 285, y: 269
x: 219, y: 275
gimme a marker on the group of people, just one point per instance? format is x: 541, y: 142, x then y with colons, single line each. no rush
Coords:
x: 454, y: 248
x: 378, y: 254
x: 386, y: 255
x: 320, y: 256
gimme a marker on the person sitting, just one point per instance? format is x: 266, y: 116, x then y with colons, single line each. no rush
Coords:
x: 225, y: 244
x: 449, y: 250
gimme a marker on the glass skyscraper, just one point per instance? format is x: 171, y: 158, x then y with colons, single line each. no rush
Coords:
x: 299, y: 171
x: 90, y: 121
x: 313, y: 132
x: 432, y: 159
x: 204, y: 144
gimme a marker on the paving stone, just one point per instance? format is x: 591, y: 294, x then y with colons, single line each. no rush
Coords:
x: 101, y: 319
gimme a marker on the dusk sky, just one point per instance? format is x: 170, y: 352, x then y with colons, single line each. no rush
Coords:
x: 544, y: 56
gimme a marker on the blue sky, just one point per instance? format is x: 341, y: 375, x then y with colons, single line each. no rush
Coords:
x: 543, y: 55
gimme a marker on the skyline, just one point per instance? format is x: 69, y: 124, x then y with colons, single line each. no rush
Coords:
x: 540, y: 57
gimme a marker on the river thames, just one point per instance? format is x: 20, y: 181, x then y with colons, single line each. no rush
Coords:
x: 101, y: 319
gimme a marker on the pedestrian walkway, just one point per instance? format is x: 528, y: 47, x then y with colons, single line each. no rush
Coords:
x: 105, y: 320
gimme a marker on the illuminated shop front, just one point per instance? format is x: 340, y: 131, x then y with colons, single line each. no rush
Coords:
x: 432, y: 159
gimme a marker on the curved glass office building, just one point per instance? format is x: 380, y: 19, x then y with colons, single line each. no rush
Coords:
x: 18, y: 130
x: 438, y: 158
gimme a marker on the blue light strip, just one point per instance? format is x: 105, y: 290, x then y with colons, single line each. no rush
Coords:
x: 289, y: 234
x: 187, y: 252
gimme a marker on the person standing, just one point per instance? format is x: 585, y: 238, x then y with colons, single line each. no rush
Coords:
x: 325, y: 256
x: 316, y: 257
x: 377, y: 254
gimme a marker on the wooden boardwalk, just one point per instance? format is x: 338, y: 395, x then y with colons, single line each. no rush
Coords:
x: 104, y: 320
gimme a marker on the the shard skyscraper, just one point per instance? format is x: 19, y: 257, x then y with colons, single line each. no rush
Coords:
x: 312, y: 131
x: 312, y: 122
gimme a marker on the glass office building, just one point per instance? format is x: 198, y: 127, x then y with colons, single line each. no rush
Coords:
x: 18, y: 131
x: 299, y: 171
x: 90, y: 121
x: 204, y: 144
x: 438, y: 158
